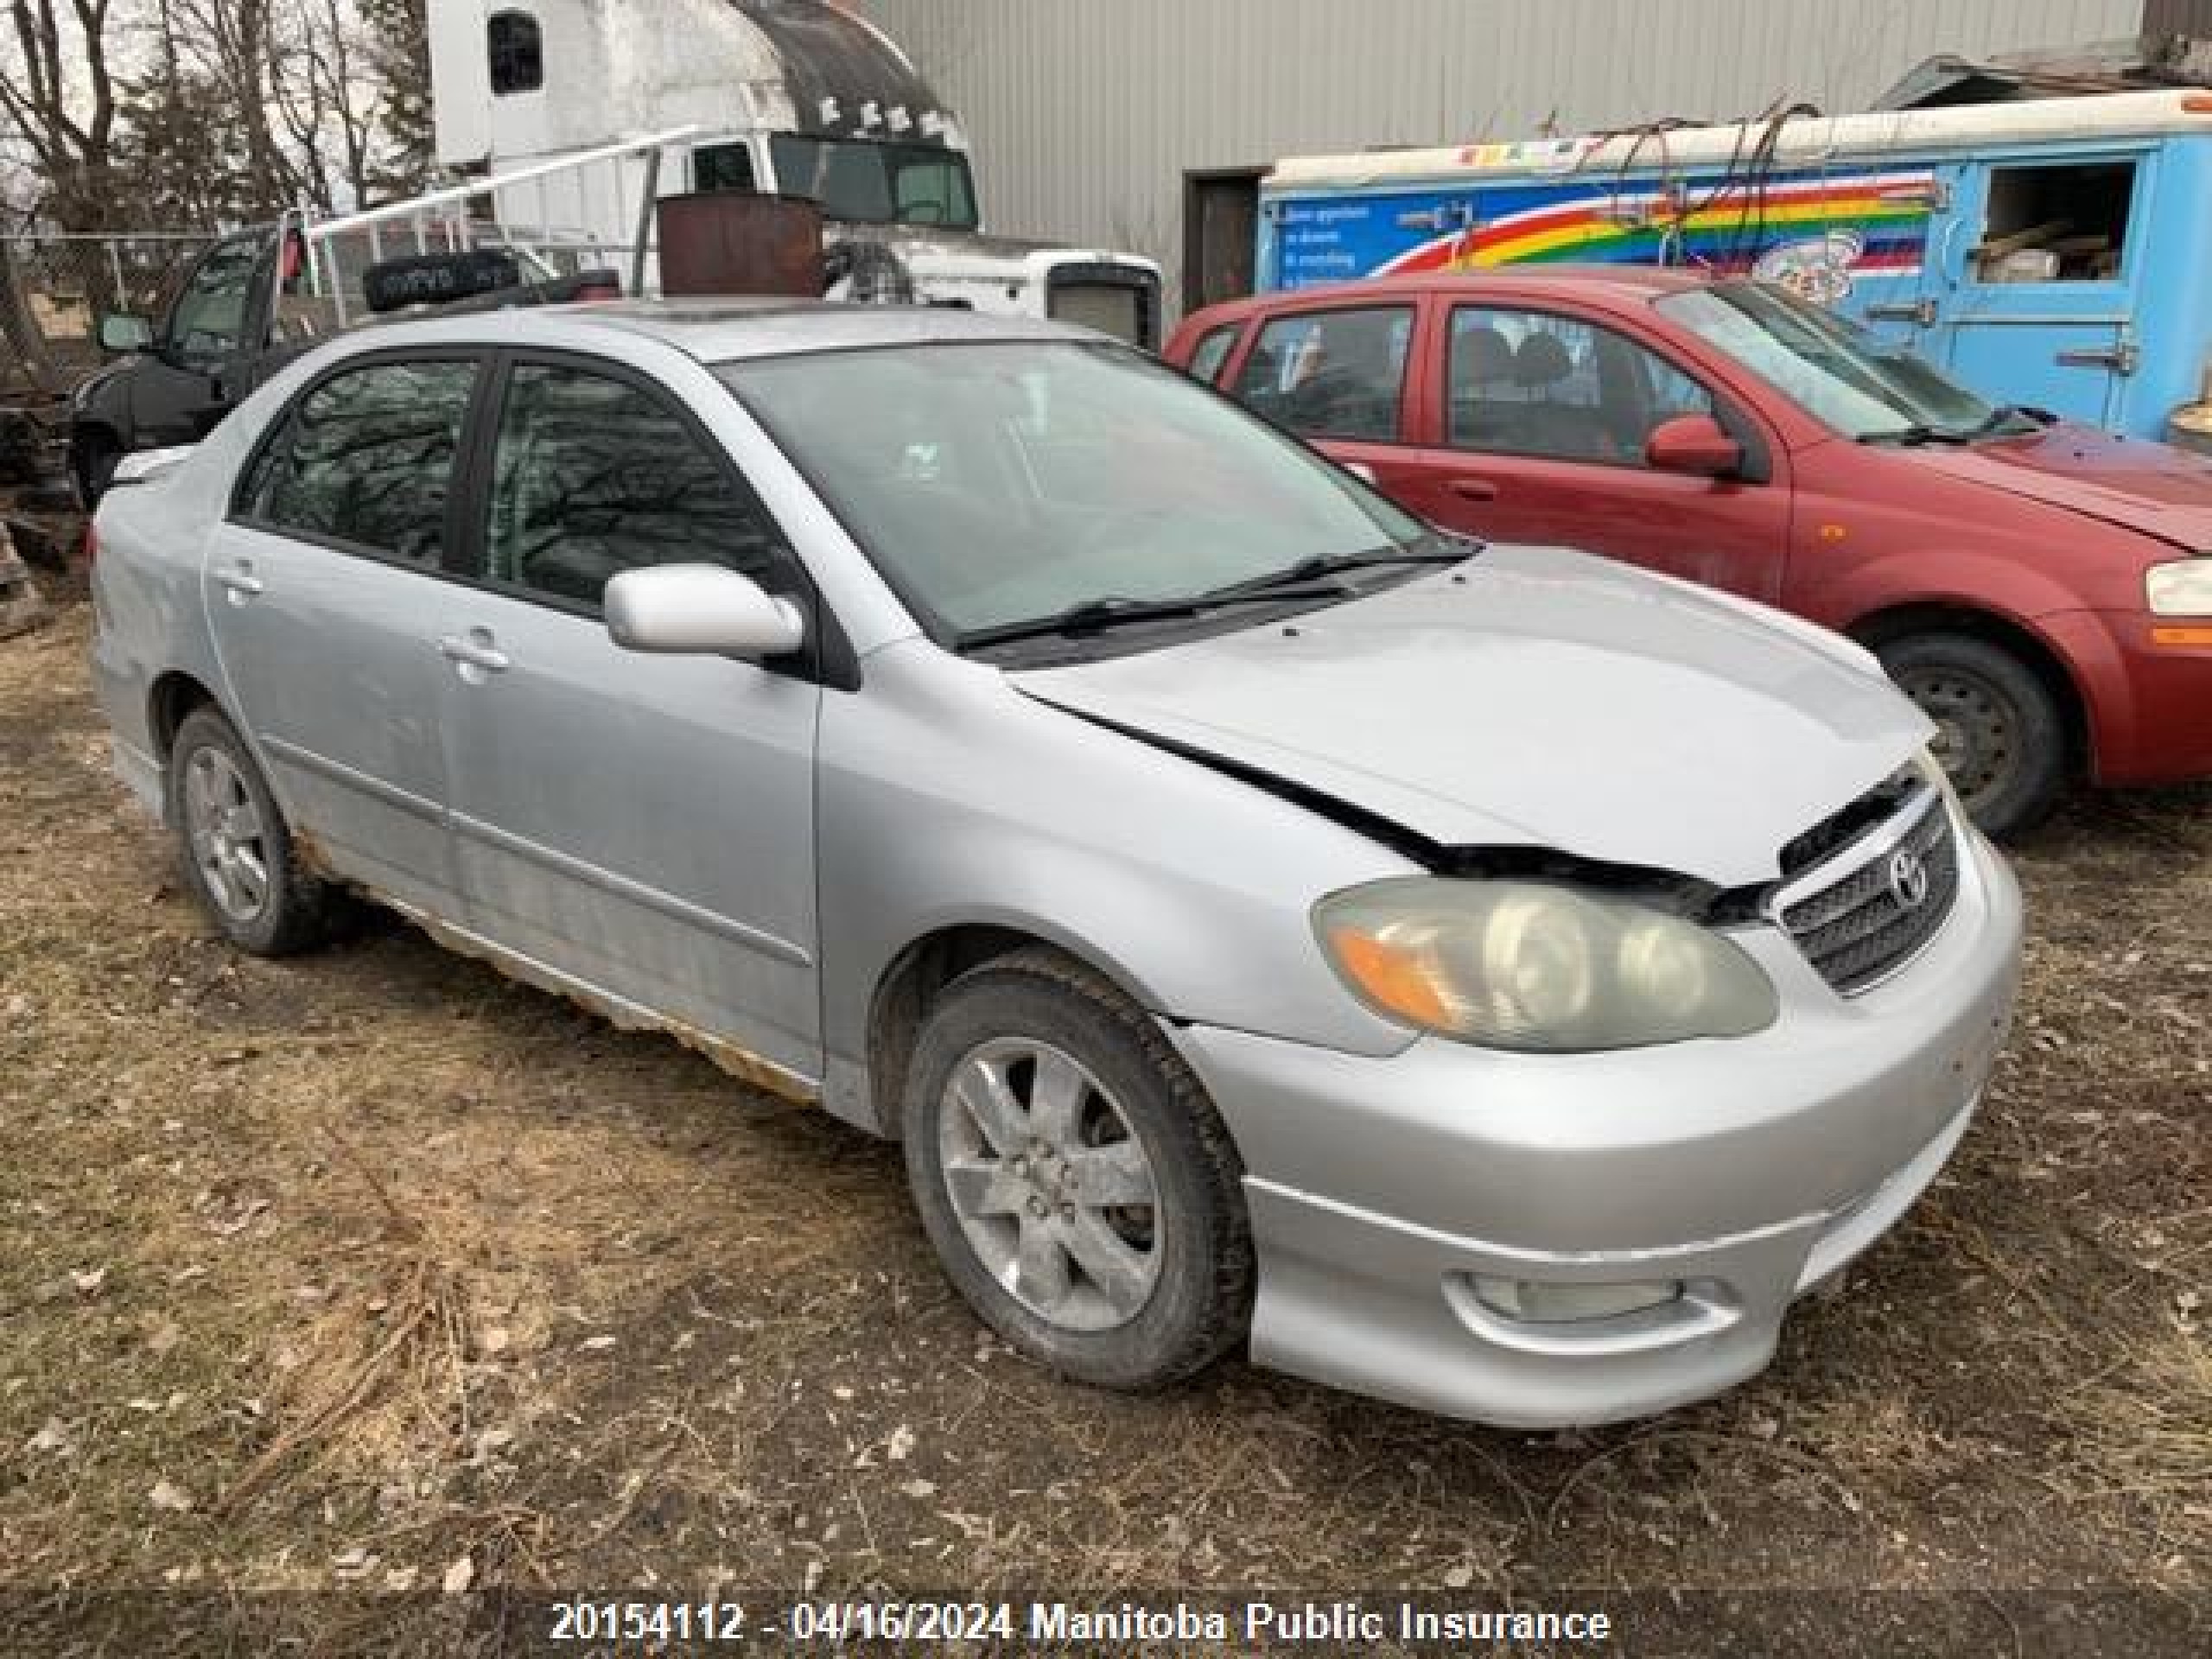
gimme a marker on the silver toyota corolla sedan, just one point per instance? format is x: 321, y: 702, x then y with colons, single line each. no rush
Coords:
x: 1479, y: 976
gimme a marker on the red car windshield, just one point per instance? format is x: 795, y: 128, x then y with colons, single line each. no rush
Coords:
x: 1834, y: 370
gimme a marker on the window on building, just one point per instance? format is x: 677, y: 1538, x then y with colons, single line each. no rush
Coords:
x: 593, y: 476
x: 367, y: 458
x: 2057, y: 223
x: 1330, y: 374
x: 1531, y: 382
x: 517, y: 52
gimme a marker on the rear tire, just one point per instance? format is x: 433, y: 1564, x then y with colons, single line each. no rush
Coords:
x: 235, y: 849
x: 1079, y: 1188
x: 2001, y: 733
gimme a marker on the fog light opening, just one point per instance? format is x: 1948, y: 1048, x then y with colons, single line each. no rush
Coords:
x: 1529, y: 1301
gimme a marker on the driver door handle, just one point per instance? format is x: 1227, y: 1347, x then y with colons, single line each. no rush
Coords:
x: 241, y: 581
x: 474, y: 650
x: 1473, y: 489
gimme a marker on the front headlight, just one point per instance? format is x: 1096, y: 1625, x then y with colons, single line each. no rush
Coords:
x: 2181, y: 589
x: 1547, y: 970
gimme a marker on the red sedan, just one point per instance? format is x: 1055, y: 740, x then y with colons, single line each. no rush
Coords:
x: 2040, y: 588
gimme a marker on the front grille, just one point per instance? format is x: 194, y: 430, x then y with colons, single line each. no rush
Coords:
x: 1851, y: 917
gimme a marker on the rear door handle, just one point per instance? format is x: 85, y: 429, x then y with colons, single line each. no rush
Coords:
x: 1473, y: 489
x: 241, y: 582
x: 475, y: 650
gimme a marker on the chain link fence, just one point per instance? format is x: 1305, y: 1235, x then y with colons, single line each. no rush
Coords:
x: 54, y: 289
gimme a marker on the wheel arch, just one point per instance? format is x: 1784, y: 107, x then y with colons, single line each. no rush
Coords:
x: 921, y: 970
x: 173, y: 695
x: 1895, y: 622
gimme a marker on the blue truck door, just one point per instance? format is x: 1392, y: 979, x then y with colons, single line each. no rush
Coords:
x: 2038, y: 278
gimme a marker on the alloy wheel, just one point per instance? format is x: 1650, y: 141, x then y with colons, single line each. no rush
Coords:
x: 1051, y: 1185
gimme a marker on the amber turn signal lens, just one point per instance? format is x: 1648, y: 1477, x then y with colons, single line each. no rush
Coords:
x: 1392, y: 976
x: 2181, y: 636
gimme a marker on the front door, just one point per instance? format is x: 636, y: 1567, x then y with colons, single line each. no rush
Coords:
x: 642, y: 824
x: 1538, y: 427
x: 323, y: 589
x: 203, y: 351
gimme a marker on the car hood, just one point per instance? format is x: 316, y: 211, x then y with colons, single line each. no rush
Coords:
x: 2149, y: 487
x: 1534, y: 697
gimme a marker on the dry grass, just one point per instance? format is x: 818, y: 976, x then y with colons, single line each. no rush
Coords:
x: 383, y: 1264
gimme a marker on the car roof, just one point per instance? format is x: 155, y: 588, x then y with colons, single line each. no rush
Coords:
x: 721, y: 329
x: 1621, y: 284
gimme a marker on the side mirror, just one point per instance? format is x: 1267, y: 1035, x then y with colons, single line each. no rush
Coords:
x: 122, y: 332
x: 1694, y: 443
x: 699, y: 609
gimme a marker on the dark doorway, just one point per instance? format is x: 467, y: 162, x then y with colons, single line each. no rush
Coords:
x: 1221, y: 224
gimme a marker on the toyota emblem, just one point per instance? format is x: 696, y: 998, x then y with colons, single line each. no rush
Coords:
x: 1908, y: 880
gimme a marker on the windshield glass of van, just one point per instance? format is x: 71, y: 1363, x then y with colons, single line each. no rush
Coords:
x: 1836, y: 370
x: 996, y: 483
x: 877, y: 184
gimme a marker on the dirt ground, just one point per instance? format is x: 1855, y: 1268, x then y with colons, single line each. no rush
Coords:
x: 368, y: 1302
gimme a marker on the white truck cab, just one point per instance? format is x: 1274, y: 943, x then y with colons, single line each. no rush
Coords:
x: 793, y: 97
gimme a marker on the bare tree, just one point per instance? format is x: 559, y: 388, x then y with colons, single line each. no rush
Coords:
x: 58, y: 95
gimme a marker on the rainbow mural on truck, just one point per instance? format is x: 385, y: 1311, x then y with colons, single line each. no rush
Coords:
x: 1814, y: 233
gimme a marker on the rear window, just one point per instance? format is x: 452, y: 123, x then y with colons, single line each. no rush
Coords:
x: 1330, y: 374
x: 367, y: 459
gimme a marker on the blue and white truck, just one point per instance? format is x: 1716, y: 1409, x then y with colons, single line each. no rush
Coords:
x: 2050, y: 253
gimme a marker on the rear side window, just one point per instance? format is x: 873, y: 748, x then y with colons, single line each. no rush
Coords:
x: 592, y: 475
x: 367, y: 458
x: 1330, y: 374
x: 1213, y: 351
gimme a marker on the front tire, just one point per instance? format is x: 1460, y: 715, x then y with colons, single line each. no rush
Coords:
x: 2000, y: 732
x: 235, y: 849
x: 1079, y: 1188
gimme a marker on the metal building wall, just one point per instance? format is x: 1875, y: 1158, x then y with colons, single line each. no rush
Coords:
x: 1085, y: 114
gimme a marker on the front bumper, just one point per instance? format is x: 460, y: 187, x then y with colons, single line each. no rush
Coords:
x: 1382, y: 1191
x: 2150, y: 703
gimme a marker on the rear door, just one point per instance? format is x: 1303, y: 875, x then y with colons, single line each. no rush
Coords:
x: 2038, y: 288
x: 325, y: 591
x: 1338, y: 375
x: 1534, y: 426
x: 643, y: 824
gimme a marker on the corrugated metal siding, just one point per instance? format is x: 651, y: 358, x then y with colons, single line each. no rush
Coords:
x: 1085, y: 114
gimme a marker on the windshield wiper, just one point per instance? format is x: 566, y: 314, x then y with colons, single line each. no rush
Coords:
x: 1322, y: 566
x: 1999, y: 420
x: 1913, y: 436
x: 1097, y: 615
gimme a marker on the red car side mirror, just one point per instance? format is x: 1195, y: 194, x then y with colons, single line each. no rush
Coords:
x: 1694, y: 443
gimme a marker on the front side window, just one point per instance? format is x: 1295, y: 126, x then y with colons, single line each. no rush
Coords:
x: 208, y: 321
x: 517, y: 49
x: 1330, y: 374
x: 1534, y: 383
x: 592, y: 475
x: 872, y: 183
x: 996, y: 483
x: 367, y: 458
x: 1834, y: 369
x: 1213, y: 351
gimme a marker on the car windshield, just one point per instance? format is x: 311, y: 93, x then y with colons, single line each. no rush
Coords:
x: 999, y: 483
x: 1838, y: 371
x: 877, y: 183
